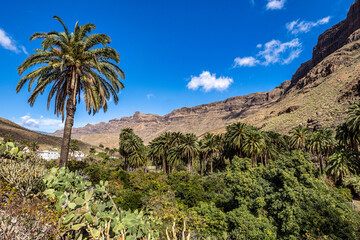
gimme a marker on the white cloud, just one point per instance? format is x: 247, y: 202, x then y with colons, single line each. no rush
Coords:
x: 149, y: 96
x: 43, y: 123
x: 208, y: 82
x: 276, y: 51
x: 296, y: 26
x: 272, y: 52
x: 275, y: 4
x: 246, y: 62
x: 9, y: 44
x: 24, y: 50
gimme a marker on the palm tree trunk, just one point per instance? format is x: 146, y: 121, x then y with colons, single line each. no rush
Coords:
x: 211, y: 163
x: 189, y: 162
x: 163, y: 164
x: 321, y: 164
x: 265, y: 159
x: 69, y: 122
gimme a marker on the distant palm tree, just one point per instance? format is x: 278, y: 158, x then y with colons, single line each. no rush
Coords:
x: 321, y: 143
x: 315, y: 146
x: 34, y: 146
x: 175, y: 157
x: 210, y: 146
x: 159, y: 148
x: 344, y: 136
x: 92, y: 150
x: 339, y: 166
x: 112, y: 151
x: 71, y: 64
x: 176, y: 138
x: 353, y: 126
x: 273, y: 142
x: 131, y: 147
x: 254, y: 145
x: 235, y: 136
x: 190, y: 149
x: 353, y: 121
x: 298, y: 137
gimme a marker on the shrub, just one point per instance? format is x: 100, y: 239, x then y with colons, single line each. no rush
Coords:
x: 25, y: 175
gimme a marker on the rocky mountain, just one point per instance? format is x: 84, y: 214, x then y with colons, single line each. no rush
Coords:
x: 20, y: 133
x: 318, y: 94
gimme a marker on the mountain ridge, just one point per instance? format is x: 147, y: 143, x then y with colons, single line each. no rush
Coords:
x: 318, y: 94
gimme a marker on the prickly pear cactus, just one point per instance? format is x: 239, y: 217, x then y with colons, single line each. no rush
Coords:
x: 90, y: 210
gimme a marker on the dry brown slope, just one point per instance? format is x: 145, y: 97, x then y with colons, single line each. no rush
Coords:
x: 21, y: 133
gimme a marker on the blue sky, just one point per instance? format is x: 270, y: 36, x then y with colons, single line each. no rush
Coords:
x: 174, y: 53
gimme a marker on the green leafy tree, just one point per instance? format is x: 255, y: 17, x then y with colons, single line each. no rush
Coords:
x: 71, y: 64
x: 74, y: 146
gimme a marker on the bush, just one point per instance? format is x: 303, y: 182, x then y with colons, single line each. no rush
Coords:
x: 25, y: 175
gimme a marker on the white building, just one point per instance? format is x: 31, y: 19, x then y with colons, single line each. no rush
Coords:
x: 78, y: 155
x: 48, y: 155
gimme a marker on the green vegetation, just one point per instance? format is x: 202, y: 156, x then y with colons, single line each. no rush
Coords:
x: 71, y: 64
x: 244, y: 184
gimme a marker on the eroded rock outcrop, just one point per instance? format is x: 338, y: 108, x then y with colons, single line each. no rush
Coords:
x: 331, y: 40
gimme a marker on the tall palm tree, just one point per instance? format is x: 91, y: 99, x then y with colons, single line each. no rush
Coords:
x: 159, y: 148
x: 131, y: 147
x: 273, y: 142
x: 71, y: 64
x: 315, y: 146
x: 189, y: 149
x: 176, y: 138
x: 353, y: 120
x: 344, y: 136
x: 339, y: 165
x: 353, y: 126
x: 328, y: 141
x: 210, y: 147
x: 235, y: 135
x: 254, y: 145
x: 299, y: 137
x: 175, y: 157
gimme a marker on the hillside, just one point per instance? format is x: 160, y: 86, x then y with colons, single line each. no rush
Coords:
x: 20, y: 133
x: 318, y: 94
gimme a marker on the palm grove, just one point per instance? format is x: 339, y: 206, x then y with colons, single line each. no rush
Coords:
x: 243, y: 184
x: 335, y: 153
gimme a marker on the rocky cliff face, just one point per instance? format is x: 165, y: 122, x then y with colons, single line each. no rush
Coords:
x: 318, y: 94
x: 198, y: 119
x: 330, y: 41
